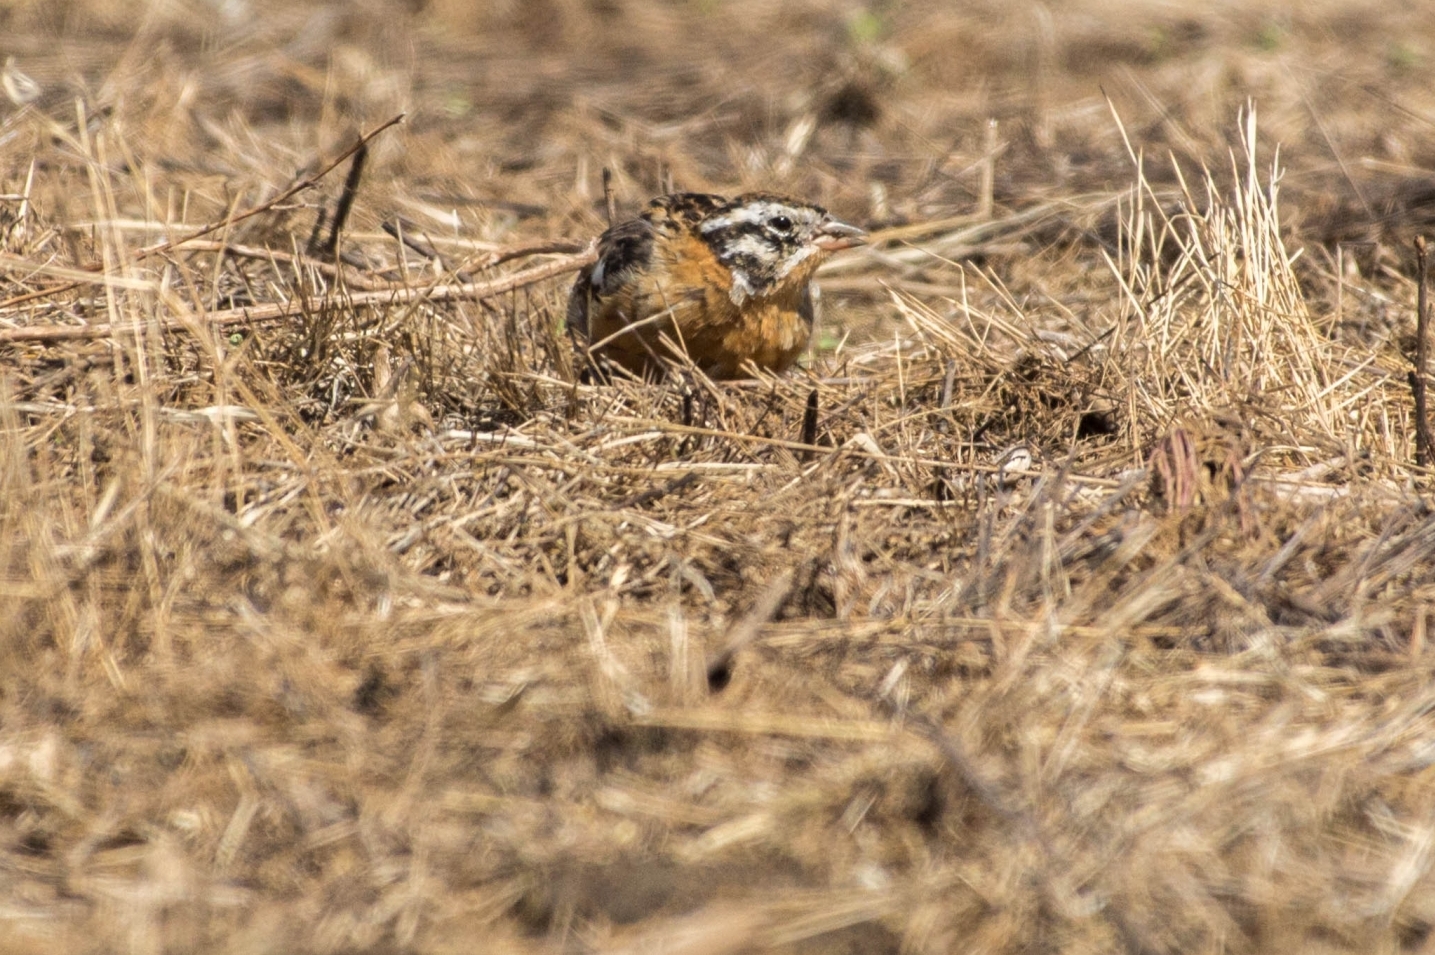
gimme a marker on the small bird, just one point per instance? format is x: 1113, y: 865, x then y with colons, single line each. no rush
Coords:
x: 726, y: 281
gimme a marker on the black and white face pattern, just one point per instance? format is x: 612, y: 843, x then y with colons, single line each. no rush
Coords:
x: 765, y: 239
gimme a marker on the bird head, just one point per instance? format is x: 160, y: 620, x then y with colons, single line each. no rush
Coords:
x: 773, y: 244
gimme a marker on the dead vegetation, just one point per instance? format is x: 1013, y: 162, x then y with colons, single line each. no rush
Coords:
x: 1088, y: 612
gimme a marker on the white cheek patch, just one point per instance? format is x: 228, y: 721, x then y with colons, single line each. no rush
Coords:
x: 760, y: 247
x: 741, y: 289
x: 595, y: 277
x: 749, y: 245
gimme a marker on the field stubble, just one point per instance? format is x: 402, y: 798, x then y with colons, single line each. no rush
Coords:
x: 1089, y: 613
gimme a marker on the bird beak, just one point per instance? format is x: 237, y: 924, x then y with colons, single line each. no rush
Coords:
x: 833, y: 236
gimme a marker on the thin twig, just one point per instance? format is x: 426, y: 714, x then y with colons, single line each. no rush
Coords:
x: 656, y: 493
x: 346, y: 201
x: 303, y: 184
x: 521, y: 250
x: 411, y: 236
x: 809, y: 423
x: 1423, y: 444
x: 768, y: 603
x: 274, y: 255
x: 608, y: 196
x: 307, y: 303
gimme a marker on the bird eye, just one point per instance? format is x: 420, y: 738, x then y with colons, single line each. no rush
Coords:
x: 780, y: 223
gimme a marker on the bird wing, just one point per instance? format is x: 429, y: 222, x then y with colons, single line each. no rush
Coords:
x: 628, y: 247
x: 621, y: 249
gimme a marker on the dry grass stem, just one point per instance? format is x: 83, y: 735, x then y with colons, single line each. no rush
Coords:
x: 1072, y: 596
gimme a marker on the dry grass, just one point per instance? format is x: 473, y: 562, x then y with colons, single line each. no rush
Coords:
x: 1093, y: 618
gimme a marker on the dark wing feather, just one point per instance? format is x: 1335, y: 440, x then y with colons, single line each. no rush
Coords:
x: 579, y: 298
x: 622, y: 248
x: 628, y: 247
